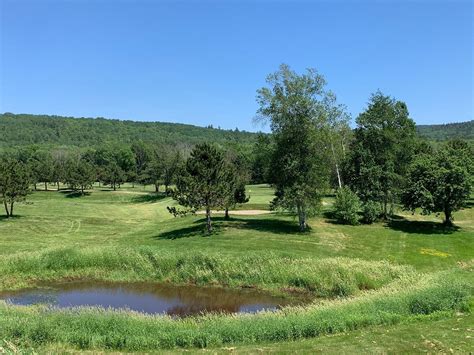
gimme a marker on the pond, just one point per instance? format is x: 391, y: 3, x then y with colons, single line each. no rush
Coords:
x: 150, y: 298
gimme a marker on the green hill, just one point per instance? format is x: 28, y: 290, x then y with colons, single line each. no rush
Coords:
x: 26, y: 129
x: 441, y: 132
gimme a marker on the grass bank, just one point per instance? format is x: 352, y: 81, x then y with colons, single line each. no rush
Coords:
x: 329, y: 277
x: 411, y: 296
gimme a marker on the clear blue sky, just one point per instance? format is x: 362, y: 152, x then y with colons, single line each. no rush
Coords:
x: 200, y: 62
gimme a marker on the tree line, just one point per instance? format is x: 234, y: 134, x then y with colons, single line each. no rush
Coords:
x: 379, y: 165
x: 34, y: 168
x: 312, y: 150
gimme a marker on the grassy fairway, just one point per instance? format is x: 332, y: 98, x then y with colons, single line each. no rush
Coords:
x: 129, y: 235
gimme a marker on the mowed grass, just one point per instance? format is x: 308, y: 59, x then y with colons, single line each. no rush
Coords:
x: 131, y: 218
x: 403, y: 272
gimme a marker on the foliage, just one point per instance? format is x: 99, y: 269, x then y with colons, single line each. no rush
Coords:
x: 80, y: 174
x: 440, y: 182
x: 443, y: 132
x: 14, y: 183
x: 370, y: 211
x: 24, y: 129
x: 293, y: 105
x: 204, y: 181
x: 381, y: 151
x: 347, y: 206
x: 262, y: 158
x: 237, y: 177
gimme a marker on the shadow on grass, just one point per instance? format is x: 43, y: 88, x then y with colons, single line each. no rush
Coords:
x: 420, y: 227
x: 187, y: 232
x: 275, y: 226
x: 3, y: 217
x: 74, y: 194
x: 150, y: 198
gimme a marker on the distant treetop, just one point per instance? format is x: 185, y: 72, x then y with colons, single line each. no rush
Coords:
x: 442, y: 132
x: 26, y: 129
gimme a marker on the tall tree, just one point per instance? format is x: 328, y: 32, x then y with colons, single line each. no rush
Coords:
x: 293, y: 105
x: 203, y: 182
x: 14, y: 183
x: 338, y: 132
x: 440, y: 182
x: 382, y: 149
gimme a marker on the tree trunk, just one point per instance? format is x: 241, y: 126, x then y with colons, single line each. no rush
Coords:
x: 45, y: 186
x: 226, y: 213
x: 208, y: 220
x: 35, y: 186
x: 82, y: 189
x: 157, y: 188
x: 11, y: 208
x: 6, y: 209
x: 448, y: 218
x: 58, y: 185
x: 337, y: 166
x: 113, y: 185
x: 301, y: 218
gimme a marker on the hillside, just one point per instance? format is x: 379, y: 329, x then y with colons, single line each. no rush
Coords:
x: 25, y: 129
x: 442, y: 132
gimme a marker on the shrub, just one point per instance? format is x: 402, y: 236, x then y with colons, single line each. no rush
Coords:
x: 371, y: 212
x: 347, y: 206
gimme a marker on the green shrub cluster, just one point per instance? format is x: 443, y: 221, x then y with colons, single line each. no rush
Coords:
x: 347, y: 206
x: 371, y: 212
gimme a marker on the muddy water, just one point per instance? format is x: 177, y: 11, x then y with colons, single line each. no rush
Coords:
x: 148, y: 298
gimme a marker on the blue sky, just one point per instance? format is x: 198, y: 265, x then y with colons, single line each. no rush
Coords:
x: 201, y: 62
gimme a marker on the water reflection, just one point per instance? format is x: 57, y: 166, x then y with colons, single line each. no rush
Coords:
x: 148, y: 298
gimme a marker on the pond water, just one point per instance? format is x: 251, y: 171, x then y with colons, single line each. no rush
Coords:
x: 179, y: 301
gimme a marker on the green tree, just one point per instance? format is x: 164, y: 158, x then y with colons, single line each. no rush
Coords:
x: 60, y: 159
x: 169, y: 167
x: 203, y: 182
x: 347, y: 206
x: 338, y: 132
x: 262, y: 153
x: 293, y: 105
x: 113, y: 175
x: 80, y: 174
x: 41, y: 168
x: 14, y: 183
x: 439, y: 183
x: 383, y: 146
x: 153, y: 173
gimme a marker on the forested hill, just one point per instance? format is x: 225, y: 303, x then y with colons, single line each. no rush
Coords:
x: 25, y: 129
x: 442, y: 132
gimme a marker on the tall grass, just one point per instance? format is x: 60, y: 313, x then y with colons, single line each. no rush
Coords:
x: 410, y: 296
x: 324, y: 278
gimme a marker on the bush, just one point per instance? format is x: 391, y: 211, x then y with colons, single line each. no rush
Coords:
x: 347, y: 206
x: 371, y: 212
